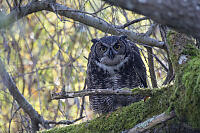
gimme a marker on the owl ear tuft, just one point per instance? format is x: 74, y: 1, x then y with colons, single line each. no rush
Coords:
x: 123, y: 37
x: 94, y: 41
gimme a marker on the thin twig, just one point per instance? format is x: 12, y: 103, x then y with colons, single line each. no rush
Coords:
x: 151, y: 30
x: 151, y: 67
x: 132, y: 22
x: 170, y: 72
x: 83, y: 101
x: 101, y: 9
x: 13, y: 117
x: 161, y: 63
x: 150, y: 123
x: 9, y: 5
x: 66, y: 122
x: 150, y: 58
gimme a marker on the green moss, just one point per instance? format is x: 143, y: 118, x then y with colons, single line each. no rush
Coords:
x: 190, y: 50
x: 186, y: 98
x: 124, y: 118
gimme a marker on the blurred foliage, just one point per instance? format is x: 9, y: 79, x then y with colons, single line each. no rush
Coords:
x: 46, y: 54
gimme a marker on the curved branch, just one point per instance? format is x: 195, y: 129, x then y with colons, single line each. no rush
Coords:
x: 36, y: 119
x: 178, y: 14
x: 76, y: 15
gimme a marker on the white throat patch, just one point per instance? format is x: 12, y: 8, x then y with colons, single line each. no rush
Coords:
x: 111, y: 69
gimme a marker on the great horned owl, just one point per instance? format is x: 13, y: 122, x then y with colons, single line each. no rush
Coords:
x: 114, y: 63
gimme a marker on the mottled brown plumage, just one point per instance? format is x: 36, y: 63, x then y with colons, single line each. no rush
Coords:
x: 114, y: 63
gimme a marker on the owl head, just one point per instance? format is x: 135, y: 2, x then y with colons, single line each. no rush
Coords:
x: 110, y: 51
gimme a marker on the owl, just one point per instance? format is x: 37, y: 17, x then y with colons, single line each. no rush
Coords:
x: 114, y: 63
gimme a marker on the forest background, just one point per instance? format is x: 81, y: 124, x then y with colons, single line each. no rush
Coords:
x: 46, y: 52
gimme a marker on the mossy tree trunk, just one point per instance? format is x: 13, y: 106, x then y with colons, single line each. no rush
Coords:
x: 183, y: 97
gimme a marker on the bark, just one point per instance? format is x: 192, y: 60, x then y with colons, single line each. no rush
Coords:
x: 135, y: 92
x: 178, y: 14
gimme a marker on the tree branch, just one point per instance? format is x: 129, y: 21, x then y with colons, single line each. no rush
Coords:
x: 151, y: 67
x: 180, y: 15
x: 132, y: 22
x: 150, y: 58
x: 36, y: 119
x: 155, y: 120
x: 134, y: 92
x: 66, y: 122
x: 76, y: 15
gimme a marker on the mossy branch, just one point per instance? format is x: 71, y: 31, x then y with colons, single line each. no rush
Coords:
x: 155, y: 120
x: 137, y: 91
x: 124, y: 118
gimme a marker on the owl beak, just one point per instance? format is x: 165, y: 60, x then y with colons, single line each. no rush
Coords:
x: 111, y: 54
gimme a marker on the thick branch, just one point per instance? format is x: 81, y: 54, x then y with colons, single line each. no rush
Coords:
x: 155, y: 120
x: 76, y: 15
x: 23, y: 103
x: 64, y: 95
x: 178, y: 14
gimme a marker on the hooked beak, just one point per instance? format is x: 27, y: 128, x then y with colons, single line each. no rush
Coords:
x: 111, y: 54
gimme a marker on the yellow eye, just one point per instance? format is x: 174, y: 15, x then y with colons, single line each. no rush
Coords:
x: 117, y: 46
x: 103, y: 48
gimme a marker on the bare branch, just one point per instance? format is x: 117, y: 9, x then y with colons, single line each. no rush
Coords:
x: 83, y: 100
x: 180, y: 15
x: 9, y: 4
x: 132, y: 22
x: 161, y: 63
x: 151, y: 67
x: 101, y: 9
x: 66, y: 122
x: 76, y: 15
x: 10, y: 121
x: 64, y: 95
x: 150, y: 59
x: 155, y: 120
x: 170, y: 72
x: 23, y: 103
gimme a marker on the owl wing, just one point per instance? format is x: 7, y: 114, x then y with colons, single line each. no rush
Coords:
x: 138, y: 65
x: 89, y: 68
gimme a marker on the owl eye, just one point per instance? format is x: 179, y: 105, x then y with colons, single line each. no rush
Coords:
x: 117, y: 46
x: 103, y: 48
